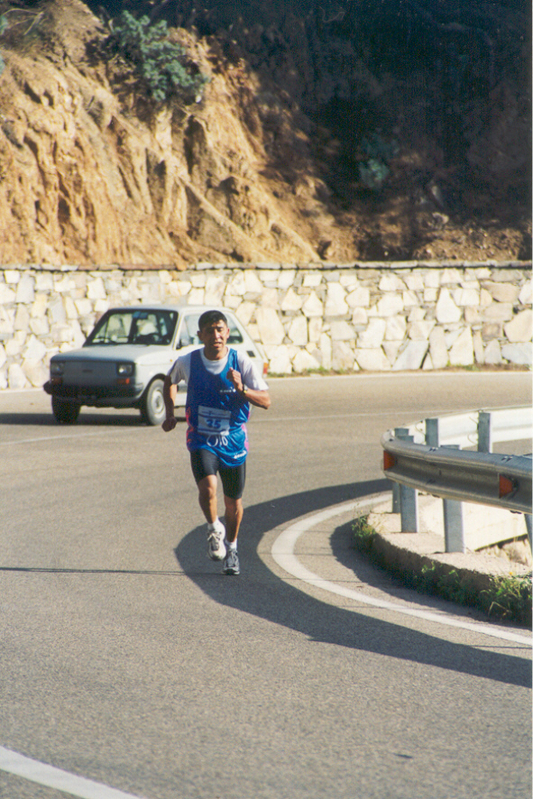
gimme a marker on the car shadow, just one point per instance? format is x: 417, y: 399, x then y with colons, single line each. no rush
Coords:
x: 258, y: 591
x: 85, y: 419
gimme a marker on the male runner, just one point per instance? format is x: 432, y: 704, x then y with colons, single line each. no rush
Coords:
x: 221, y: 385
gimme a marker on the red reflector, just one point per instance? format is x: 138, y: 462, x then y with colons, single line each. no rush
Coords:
x: 123, y: 381
x: 388, y: 460
x: 507, y: 486
x: 265, y: 368
x: 56, y: 381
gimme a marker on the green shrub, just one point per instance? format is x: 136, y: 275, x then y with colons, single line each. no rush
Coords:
x: 363, y: 533
x: 158, y: 63
x: 510, y: 598
x: 373, y: 174
x: 378, y: 151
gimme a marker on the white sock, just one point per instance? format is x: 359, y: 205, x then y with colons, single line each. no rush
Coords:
x: 231, y: 545
x: 216, y: 525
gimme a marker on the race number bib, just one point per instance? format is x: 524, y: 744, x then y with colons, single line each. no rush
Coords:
x: 213, y: 421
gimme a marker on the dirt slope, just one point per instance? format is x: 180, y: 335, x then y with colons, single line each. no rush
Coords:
x: 90, y: 173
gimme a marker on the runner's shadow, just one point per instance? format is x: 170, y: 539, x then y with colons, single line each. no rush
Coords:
x: 259, y: 592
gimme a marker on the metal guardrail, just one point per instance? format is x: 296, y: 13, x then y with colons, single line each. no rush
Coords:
x: 426, y: 457
x: 478, y: 429
x: 483, y: 477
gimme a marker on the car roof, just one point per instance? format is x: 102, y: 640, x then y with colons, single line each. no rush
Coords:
x: 171, y: 307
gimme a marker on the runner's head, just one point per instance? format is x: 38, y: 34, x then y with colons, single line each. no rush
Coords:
x: 209, y: 318
x: 213, y: 333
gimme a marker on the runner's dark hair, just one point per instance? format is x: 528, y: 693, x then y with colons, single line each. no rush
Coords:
x: 211, y: 318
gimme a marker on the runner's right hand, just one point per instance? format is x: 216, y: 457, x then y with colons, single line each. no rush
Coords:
x: 169, y: 424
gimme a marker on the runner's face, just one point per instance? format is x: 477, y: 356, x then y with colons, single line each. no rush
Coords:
x: 214, y: 338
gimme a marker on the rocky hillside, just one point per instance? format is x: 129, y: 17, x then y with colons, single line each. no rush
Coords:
x: 307, y: 142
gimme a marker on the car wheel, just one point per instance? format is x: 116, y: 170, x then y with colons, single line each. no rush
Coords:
x: 153, y: 404
x: 65, y: 412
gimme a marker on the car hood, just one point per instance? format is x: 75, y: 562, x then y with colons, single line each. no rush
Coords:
x: 125, y: 352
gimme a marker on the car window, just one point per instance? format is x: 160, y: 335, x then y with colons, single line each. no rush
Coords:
x: 235, y: 335
x: 139, y: 326
x: 189, y: 332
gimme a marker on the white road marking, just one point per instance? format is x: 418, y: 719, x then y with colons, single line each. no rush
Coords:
x: 283, y: 553
x: 256, y: 419
x: 105, y: 432
x: 41, y: 773
x: 364, y: 414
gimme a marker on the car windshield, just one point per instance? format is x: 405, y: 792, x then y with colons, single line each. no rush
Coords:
x: 139, y: 326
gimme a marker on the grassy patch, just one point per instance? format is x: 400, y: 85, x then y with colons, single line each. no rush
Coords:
x: 505, y: 597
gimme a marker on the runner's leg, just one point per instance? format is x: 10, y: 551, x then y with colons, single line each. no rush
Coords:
x: 233, y: 480
x: 204, y: 468
x: 234, y: 513
x: 207, y: 497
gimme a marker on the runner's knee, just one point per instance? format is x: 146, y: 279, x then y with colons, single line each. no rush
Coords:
x: 207, y: 487
x: 233, y: 505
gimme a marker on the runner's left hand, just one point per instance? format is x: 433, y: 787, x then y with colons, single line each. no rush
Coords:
x: 235, y: 377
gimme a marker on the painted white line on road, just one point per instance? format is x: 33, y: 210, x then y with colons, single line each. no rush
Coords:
x: 283, y: 553
x: 364, y: 414
x: 105, y: 432
x: 33, y: 770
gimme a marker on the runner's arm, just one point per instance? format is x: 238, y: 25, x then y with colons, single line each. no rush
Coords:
x: 170, y: 392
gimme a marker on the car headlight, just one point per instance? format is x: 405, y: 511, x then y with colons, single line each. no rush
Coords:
x: 124, y: 369
x: 57, y: 367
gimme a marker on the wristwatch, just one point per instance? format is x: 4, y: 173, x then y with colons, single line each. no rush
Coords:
x: 244, y: 389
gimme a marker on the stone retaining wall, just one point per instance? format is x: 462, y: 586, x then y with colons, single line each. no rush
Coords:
x: 341, y: 317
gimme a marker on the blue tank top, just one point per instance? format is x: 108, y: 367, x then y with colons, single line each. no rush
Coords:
x: 216, y: 413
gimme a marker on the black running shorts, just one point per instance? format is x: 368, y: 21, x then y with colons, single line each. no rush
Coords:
x: 204, y: 462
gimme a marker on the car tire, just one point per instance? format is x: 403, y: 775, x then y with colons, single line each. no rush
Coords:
x: 153, y: 404
x: 65, y: 411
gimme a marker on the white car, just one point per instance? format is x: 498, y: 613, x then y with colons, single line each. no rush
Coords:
x: 125, y: 359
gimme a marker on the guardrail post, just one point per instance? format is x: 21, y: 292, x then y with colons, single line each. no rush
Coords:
x: 432, y: 432
x: 399, y: 432
x: 408, y: 497
x: 396, y: 502
x: 454, y: 537
x: 409, y: 509
x: 484, y: 432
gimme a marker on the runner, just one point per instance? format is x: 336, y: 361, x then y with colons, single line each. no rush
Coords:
x: 221, y: 385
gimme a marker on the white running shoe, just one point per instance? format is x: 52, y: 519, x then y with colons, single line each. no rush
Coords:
x: 216, y: 549
x: 231, y: 563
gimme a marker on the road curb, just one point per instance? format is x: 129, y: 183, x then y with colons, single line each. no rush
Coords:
x: 400, y: 558
x: 419, y: 561
x: 283, y: 552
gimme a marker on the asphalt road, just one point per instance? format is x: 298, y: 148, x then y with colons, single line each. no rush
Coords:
x: 128, y: 659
